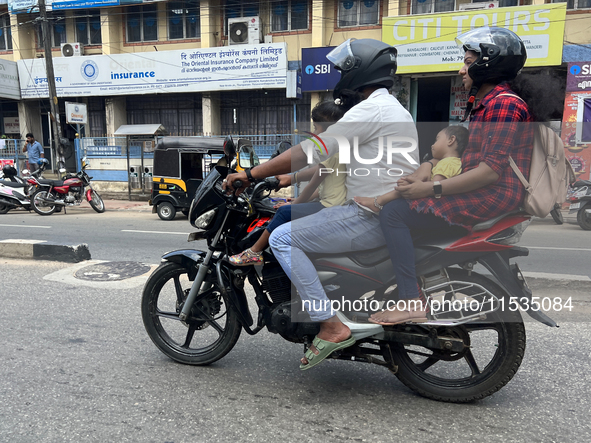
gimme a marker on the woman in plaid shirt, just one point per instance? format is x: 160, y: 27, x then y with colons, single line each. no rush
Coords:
x: 499, y: 127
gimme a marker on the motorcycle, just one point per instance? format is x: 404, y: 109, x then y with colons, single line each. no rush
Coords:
x: 580, y: 202
x: 54, y: 194
x: 16, y: 191
x: 194, y: 306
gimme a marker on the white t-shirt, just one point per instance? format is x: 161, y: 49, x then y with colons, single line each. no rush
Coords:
x: 370, y: 124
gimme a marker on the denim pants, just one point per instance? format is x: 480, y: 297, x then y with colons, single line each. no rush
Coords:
x: 332, y: 230
x: 287, y: 213
x: 397, y: 220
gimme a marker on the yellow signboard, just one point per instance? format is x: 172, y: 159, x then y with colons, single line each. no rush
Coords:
x: 426, y: 43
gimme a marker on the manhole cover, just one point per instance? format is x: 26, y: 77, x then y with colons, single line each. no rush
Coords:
x: 112, y: 271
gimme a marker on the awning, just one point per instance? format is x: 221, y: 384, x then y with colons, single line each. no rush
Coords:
x: 154, y: 129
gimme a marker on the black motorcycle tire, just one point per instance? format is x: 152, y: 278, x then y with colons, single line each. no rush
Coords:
x: 166, y: 272
x: 582, y: 219
x: 4, y: 209
x: 97, y: 202
x: 556, y: 214
x: 497, y: 373
x: 166, y: 211
x: 36, y: 203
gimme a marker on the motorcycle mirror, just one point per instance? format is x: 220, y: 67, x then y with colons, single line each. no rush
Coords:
x: 62, y: 171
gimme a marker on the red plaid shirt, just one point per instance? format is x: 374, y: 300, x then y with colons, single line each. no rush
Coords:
x: 498, y: 129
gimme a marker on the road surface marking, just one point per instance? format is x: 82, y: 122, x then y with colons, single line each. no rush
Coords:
x: 154, y: 232
x: 27, y: 226
x: 557, y: 249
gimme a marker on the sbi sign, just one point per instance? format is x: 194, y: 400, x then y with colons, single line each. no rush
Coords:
x: 318, y: 74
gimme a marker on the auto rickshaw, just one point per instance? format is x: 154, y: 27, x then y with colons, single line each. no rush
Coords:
x: 181, y: 164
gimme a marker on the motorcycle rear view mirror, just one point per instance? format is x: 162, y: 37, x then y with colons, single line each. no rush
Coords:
x: 247, y: 157
x: 229, y: 149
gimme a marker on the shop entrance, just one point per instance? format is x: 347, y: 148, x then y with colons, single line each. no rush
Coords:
x: 432, y: 110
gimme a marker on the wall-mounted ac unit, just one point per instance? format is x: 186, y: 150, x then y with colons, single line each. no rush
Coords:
x: 479, y: 5
x: 244, y: 31
x: 72, y: 49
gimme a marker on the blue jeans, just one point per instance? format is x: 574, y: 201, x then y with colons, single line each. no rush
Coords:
x: 288, y: 213
x: 397, y: 220
x: 332, y: 230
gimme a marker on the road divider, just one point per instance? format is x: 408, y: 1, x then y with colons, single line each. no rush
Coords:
x: 42, y: 250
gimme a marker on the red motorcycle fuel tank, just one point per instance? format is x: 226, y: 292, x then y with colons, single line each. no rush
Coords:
x: 74, y: 181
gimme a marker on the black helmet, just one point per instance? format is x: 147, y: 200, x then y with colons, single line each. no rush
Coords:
x: 501, y: 54
x: 9, y: 171
x: 363, y: 63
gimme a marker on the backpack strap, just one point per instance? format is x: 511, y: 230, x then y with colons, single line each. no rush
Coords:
x: 519, y: 175
x: 511, y: 95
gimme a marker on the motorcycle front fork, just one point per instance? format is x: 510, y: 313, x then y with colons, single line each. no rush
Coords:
x: 204, y: 268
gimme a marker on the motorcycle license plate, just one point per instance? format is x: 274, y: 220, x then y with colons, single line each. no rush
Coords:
x: 574, y: 206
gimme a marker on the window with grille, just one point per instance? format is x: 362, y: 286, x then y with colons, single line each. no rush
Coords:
x: 142, y: 23
x: 183, y: 20
x: 5, y: 33
x: 358, y: 13
x: 575, y: 4
x: 289, y: 15
x: 429, y: 6
x: 88, y: 27
x: 238, y: 8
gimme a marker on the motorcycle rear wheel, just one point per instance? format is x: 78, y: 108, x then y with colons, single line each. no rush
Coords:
x: 4, y: 209
x: 41, y: 207
x: 214, y: 320
x: 582, y: 219
x: 97, y: 202
x: 462, y: 377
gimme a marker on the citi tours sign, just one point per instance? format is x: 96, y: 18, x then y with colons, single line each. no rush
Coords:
x: 426, y: 43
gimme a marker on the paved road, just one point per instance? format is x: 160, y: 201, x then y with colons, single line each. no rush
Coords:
x: 77, y: 366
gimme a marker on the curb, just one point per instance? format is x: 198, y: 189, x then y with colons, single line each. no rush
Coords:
x: 40, y: 250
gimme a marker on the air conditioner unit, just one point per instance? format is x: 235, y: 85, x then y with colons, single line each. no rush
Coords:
x: 479, y: 5
x: 72, y: 49
x: 244, y: 31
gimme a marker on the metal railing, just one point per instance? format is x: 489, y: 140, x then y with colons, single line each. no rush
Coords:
x: 13, y: 150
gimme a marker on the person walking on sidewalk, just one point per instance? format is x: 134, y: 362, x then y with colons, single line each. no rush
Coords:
x: 34, y: 150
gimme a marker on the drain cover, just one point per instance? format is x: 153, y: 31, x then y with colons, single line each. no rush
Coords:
x: 112, y: 271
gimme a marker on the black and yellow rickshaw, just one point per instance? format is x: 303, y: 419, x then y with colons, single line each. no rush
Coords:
x: 181, y: 163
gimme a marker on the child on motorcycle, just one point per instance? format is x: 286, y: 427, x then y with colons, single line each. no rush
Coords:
x: 328, y: 187
x: 447, y: 151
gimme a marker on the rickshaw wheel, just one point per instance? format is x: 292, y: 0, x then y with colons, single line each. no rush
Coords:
x: 166, y: 211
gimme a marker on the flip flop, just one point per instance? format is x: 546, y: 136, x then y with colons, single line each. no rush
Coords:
x: 325, y: 348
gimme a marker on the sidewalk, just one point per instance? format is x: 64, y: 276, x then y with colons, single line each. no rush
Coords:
x: 122, y: 205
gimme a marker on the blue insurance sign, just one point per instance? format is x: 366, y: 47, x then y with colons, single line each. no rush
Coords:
x: 318, y: 74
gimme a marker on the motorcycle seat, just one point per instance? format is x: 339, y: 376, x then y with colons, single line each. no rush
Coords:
x: 12, y: 184
x: 581, y: 183
x: 44, y: 181
x: 483, y: 226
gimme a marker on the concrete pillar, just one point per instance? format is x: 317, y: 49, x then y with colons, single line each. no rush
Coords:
x: 210, y: 30
x: 212, y: 124
x: 393, y: 8
x: 538, y: 2
x: 23, y: 38
x: 116, y: 113
x: 318, y: 39
x: 112, y: 22
x: 29, y: 117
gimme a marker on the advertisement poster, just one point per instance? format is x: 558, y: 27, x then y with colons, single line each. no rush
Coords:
x: 457, y: 101
x: 579, y: 154
x: 209, y: 69
x: 426, y: 43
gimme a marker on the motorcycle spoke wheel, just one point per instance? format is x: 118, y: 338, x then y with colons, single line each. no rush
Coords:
x: 493, y: 352
x: 96, y: 202
x: 40, y: 206
x: 209, y: 333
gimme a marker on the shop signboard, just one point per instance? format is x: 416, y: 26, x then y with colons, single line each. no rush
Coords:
x: 577, y: 149
x: 318, y: 74
x: 11, y: 125
x: 20, y: 6
x: 9, y: 85
x: 76, y: 113
x: 426, y: 43
x: 457, y: 100
x: 578, y: 77
x: 196, y: 70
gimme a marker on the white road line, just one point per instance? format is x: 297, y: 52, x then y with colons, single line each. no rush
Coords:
x: 26, y: 226
x: 155, y: 232
x: 557, y: 249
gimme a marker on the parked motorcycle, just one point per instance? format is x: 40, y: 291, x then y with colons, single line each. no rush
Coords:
x: 194, y: 306
x: 13, y: 190
x: 580, y: 202
x: 67, y: 192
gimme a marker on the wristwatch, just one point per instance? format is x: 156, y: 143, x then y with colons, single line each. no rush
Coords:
x: 437, y: 189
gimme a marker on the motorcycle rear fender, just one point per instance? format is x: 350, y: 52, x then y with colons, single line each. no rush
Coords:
x: 190, y: 258
x: 507, y: 276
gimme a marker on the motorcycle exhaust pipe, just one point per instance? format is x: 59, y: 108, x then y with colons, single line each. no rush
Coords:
x: 8, y: 203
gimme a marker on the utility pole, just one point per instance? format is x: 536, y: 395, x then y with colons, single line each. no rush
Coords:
x: 54, y: 108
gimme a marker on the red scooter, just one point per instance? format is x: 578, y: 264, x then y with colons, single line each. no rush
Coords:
x: 68, y: 192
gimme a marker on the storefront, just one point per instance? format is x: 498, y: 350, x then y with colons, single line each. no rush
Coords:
x: 9, y: 97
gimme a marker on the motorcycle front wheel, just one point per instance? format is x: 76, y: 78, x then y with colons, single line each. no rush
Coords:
x: 494, y: 349
x: 39, y: 203
x: 583, y: 219
x: 96, y: 202
x: 209, y: 334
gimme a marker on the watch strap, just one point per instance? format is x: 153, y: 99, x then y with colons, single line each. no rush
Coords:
x: 437, y: 189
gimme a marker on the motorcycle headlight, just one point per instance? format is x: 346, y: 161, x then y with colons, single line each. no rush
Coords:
x: 205, y: 219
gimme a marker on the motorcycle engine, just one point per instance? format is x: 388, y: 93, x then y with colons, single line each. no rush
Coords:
x: 293, y: 324
x: 276, y: 283
x: 76, y: 192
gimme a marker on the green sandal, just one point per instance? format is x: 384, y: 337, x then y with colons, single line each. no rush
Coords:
x: 325, y: 348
